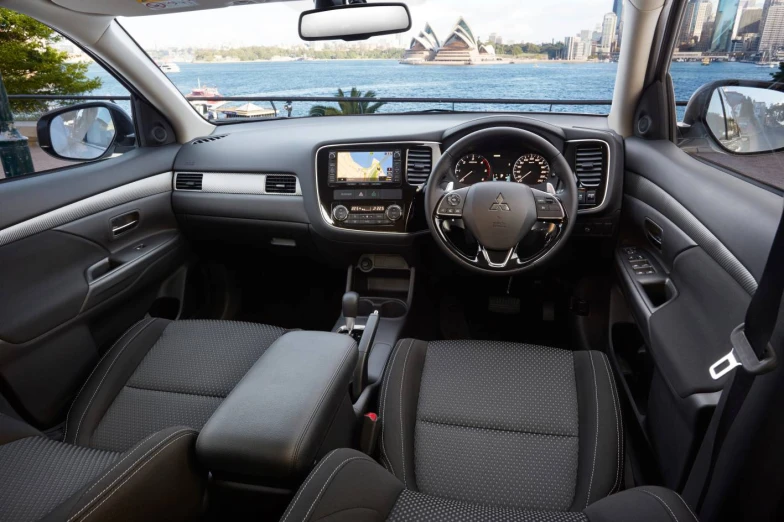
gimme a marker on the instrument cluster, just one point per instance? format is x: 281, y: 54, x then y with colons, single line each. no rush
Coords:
x: 528, y: 168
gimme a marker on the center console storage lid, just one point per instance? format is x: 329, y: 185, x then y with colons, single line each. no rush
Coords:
x: 271, y: 426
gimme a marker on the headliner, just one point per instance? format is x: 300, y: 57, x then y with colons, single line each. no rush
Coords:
x: 150, y: 7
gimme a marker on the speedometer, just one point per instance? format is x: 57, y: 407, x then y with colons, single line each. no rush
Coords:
x: 531, y: 169
x: 473, y: 168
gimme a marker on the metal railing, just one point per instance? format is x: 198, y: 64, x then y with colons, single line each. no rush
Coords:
x: 288, y: 100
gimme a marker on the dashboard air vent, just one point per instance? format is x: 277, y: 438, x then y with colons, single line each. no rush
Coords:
x: 590, y: 162
x: 188, y: 181
x: 420, y: 162
x: 280, y: 184
x: 207, y: 139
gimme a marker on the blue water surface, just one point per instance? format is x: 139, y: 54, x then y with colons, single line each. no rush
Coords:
x: 388, y: 78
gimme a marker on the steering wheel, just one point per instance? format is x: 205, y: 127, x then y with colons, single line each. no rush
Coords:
x: 501, y: 215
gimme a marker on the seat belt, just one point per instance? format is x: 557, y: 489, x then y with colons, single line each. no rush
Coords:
x: 751, y: 350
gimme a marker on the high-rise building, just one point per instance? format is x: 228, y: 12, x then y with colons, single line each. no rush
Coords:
x: 705, y: 35
x: 723, y: 25
x: 772, y: 35
x: 618, y: 10
x: 608, y: 33
x: 750, y: 20
x: 697, y: 12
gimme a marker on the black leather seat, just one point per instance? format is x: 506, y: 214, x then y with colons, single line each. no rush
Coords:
x: 130, y: 433
x: 488, y: 431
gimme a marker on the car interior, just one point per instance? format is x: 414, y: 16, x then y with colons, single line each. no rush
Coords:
x: 212, y: 321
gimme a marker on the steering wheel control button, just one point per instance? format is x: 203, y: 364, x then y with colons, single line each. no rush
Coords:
x: 340, y: 213
x: 548, y: 208
x: 454, y: 199
x: 394, y: 212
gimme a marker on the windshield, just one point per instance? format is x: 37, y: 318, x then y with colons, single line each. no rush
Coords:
x: 465, y: 55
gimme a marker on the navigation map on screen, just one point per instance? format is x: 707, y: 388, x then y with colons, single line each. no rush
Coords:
x: 362, y: 166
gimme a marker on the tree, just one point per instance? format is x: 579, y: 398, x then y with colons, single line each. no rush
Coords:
x: 31, y: 65
x: 349, y: 107
x: 778, y: 76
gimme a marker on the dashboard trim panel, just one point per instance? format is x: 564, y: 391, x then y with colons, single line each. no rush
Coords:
x: 237, y: 183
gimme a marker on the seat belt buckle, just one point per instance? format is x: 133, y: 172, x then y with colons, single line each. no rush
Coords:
x: 742, y: 354
x: 370, y: 430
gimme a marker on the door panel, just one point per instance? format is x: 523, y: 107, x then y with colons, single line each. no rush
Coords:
x: 715, y: 231
x: 75, y: 275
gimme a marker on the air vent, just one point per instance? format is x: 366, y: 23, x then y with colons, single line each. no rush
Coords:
x: 207, y: 139
x: 420, y: 162
x: 280, y: 184
x: 590, y: 162
x: 188, y: 181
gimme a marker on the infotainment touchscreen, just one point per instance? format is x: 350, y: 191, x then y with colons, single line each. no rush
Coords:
x: 366, y: 166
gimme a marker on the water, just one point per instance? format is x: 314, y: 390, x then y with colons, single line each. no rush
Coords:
x: 388, y: 78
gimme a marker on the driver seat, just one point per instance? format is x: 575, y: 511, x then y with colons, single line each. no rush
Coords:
x: 483, y: 430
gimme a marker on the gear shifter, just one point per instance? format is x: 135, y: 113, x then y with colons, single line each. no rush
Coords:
x: 350, y: 309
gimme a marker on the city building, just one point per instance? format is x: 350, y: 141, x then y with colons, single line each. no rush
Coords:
x: 750, y: 20
x: 772, y: 34
x: 704, y: 41
x: 724, y: 25
x: 697, y: 13
x: 608, y: 33
x: 618, y: 10
x: 459, y: 48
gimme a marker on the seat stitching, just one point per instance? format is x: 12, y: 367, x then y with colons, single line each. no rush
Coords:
x: 402, y: 440
x: 316, y: 409
x: 688, y: 508
x: 76, y: 397
x: 596, y: 440
x: 305, y: 485
x: 329, y: 479
x: 384, y: 407
x: 175, y: 392
x: 617, y: 437
x: 128, y: 478
x: 502, y: 430
x: 672, y: 514
x: 87, y: 408
x: 178, y: 432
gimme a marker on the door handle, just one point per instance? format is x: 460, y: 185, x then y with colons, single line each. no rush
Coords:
x: 653, y: 232
x: 124, y: 223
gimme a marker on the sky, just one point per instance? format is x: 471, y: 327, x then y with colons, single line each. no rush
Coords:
x: 276, y: 23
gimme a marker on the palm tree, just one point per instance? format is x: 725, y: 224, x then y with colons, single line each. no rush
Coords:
x: 349, y: 107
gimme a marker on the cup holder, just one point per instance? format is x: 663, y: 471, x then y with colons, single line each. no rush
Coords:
x: 388, y: 308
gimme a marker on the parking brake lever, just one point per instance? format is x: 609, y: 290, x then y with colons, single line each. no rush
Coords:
x: 365, y: 345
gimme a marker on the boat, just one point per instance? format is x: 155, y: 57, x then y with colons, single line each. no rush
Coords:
x: 706, y: 61
x: 206, y: 108
x: 767, y: 65
x: 169, y: 67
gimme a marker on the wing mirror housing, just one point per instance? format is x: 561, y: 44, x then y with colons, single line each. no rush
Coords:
x: 86, y: 132
x: 735, y: 116
x: 356, y: 21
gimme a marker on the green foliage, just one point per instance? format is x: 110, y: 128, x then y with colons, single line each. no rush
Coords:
x: 349, y: 107
x: 30, y: 65
x: 254, y: 53
x: 778, y: 76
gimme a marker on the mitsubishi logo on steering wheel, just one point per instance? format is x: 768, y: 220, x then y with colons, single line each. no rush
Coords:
x: 500, y: 204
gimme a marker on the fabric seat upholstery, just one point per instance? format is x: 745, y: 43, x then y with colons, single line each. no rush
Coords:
x: 163, y: 373
x: 128, y: 450
x: 502, y: 424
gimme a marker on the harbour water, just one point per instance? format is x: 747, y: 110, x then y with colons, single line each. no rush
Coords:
x: 388, y: 78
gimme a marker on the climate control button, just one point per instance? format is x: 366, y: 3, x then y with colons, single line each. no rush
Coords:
x: 394, y: 212
x: 340, y: 213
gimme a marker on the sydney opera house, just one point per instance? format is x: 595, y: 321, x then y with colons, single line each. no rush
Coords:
x: 460, y: 48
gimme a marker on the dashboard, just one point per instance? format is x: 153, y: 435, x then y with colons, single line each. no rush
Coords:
x: 356, y: 183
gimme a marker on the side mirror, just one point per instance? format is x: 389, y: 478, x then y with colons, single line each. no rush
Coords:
x: 354, y: 21
x: 736, y: 116
x: 85, y: 132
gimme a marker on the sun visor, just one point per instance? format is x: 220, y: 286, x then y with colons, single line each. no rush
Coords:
x: 148, y: 7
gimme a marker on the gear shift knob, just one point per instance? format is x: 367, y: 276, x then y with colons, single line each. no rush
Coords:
x: 350, y: 308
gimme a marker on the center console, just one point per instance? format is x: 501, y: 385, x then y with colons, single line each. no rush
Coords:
x: 371, y: 187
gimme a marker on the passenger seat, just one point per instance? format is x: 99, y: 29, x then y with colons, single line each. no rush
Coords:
x: 130, y: 433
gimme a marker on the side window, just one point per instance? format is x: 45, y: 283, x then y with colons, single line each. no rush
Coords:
x: 41, y: 72
x: 729, y: 66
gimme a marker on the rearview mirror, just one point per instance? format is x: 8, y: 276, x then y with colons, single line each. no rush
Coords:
x: 354, y: 21
x: 85, y: 132
x: 740, y: 117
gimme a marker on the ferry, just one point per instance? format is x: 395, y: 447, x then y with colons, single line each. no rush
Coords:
x: 206, y: 108
x: 169, y: 67
x: 706, y: 61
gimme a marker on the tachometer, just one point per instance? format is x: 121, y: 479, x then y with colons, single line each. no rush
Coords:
x: 473, y: 168
x: 531, y: 169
